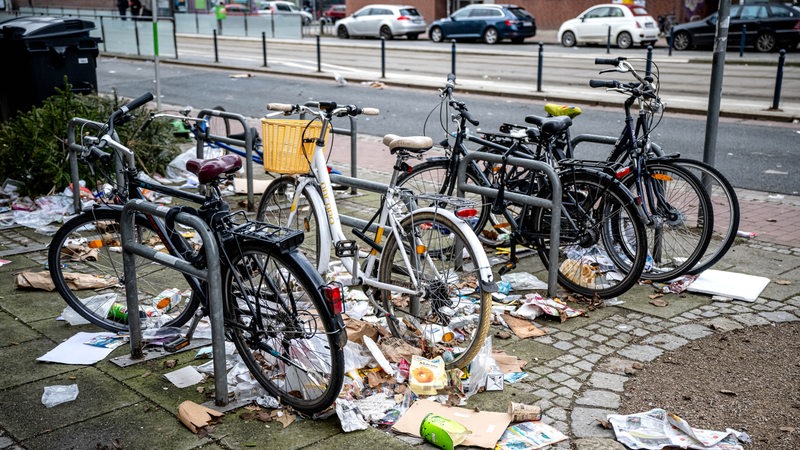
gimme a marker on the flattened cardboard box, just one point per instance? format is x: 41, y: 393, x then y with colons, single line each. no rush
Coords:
x: 486, y: 427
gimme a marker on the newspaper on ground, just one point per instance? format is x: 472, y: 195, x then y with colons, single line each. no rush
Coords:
x: 529, y: 435
x: 657, y: 428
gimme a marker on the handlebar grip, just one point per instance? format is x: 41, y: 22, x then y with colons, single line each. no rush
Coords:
x: 451, y: 77
x: 603, y: 83
x: 370, y: 111
x: 610, y: 62
x: 280, y: 107
x: 137, y: 102
x: 469, y: 118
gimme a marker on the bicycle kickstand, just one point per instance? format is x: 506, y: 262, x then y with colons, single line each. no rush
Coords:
x: 512, y: 256
x: 182, y: 342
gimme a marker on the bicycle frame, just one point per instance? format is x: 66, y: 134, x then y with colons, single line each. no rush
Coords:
x: 387, y: 219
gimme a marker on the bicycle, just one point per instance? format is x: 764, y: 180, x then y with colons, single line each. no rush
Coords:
x: 592, y: 199
x: 677, y: 207
x: 424, y: 271
x: 284, y: 320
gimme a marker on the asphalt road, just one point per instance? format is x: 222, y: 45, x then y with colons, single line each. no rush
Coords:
x: 754, y: 155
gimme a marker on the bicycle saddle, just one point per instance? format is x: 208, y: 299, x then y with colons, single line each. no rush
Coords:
x: 550, y: 125
x: 408, y: 144
x: 207, y: 170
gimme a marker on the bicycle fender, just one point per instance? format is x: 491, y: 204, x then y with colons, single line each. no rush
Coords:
x: 486, y: 281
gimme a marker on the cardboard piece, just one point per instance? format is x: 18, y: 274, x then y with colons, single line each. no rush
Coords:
x: 75, y: 281
x: 196, y: 416
x: 486, y: 427
x: 507, y: 363
x: 396, y: 349
x: 357, y: 329
x: 738, y: 286
x: 522, y: 328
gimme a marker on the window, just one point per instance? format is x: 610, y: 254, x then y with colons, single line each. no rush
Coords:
x: 597, y: 13
x: 780, y: 11
x: 411, y: 12
x: 753, y: 12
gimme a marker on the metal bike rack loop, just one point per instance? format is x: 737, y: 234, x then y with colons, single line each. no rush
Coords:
x: 211, y: 275
x: 247, y: 144
x: 554, y: 205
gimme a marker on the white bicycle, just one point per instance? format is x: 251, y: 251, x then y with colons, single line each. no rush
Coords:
x: 425, y: 270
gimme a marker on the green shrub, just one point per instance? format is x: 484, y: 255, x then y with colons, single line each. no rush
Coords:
x: 33, y: 146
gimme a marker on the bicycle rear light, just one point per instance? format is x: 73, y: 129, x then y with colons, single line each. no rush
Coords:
x: 333, y: 295
x: 622, y: 172
x: 466, y: 213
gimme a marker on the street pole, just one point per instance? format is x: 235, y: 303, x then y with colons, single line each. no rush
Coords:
x: 155, y: 54
x: 715, y: 91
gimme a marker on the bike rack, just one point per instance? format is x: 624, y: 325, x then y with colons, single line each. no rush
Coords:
x: 608, y: 140
x: 211, y: 274
x: 554, y: 205
x: 247, y: 144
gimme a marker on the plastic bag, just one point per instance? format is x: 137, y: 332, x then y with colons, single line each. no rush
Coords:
x: 56, y: 395
x: 99, y: 303
x: 479, y: 368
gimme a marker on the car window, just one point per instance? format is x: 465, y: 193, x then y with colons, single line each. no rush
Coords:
x: 380, y: 12
x: 282, y: 7
x: 363, y: 11
x: 293, y: 8
x: 596, y: 13
x: 615, y: 12
x: 780, y: 11
x: 409, y: 12
x: 639, y: 11
x: 480, y: 12
x: 519, y: 13
x: 460, y: 14
x: 753, y: 12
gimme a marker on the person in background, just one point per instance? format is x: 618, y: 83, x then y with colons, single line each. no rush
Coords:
x: 122, y: 6
x: 136, y: 7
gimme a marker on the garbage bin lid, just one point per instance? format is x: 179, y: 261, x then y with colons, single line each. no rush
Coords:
x: 44, y: 27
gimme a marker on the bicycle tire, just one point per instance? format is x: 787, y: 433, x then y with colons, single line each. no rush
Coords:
x: 725, y: 204
x: 430, y: 176
x: 596, y: 204
x: 683, y: 221
x: 275, y: 208
x: 100, y: 227
x: 282, y: 326
x: 445, y: 302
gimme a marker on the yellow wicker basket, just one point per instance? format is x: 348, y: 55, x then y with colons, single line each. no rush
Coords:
x: 289, y: 144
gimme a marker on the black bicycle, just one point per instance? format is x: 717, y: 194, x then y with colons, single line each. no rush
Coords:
x: 602, y: 249
x: 283, y: 319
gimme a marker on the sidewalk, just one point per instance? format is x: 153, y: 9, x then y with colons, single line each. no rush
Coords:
x: 575, y: 373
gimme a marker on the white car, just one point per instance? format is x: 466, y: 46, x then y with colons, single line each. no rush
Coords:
x: 630, y: 25
x: 287, y: 8
x: 386, y: 21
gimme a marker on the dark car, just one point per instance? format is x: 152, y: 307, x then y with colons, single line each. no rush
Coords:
x: 770, y: 26
x: 333, y: 13
x: 488, y: 22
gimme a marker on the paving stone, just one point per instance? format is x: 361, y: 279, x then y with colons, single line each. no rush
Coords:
x: 546, y: 394
x: 571, y: 370
x: 593, y: 357
x: 564, y: 392
x: 584, y: 365
x: 640, y: 332
x: 583, y: 332
x: 583, y: 343
x: 563, y: 402
x: 604, y: 350
x: 651, y: 320
x: 584, y: 423
x: 558, y: 377
x: 564, y: 336
x: 642, y: 353
x: 573, y: 383
x: 557, y: 414
x: 751, y: 319
x: 616, y: 343
x: 568, y: 359
x: 599, y: 398
x: 666, y: 341
x: 563, y: 345
x: 723, y: 324
x: 544, y: 404
x: 546, y: 383
x: 779, y: 316
x: 608, y: 381
x: 691, y: 331
x: 598, y: 338
x: 710, y: 314
x: 579, y: 352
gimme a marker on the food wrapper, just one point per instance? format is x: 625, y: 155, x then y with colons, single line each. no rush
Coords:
x: 426, y: 376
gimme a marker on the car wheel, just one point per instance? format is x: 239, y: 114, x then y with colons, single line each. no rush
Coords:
x: 681, y: 40
x: 624, y: 40
x: 490, y: 36
x: 412, y: 36
x: 386, y: 33
x: 765, y: 42
x: 568, y: 39
x: 436, y: 34
x: 342, y: 32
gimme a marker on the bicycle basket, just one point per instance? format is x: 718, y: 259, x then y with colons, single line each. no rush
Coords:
x: 285, y: 151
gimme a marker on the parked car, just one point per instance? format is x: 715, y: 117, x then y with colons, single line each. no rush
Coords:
x: 770, y: 26
x: 286, y: 8
x: 333, y: 13
x: 386, y: 21
x: 630, y: 25
x: 238, y: 9
x: 490, y: 23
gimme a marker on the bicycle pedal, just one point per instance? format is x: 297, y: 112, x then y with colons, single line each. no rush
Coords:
x: 508, y: 267
x: 176, y: 345
x: 346, y: 249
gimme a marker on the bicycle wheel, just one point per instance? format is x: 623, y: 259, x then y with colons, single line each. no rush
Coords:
x: 90, y: 245
x: 281, y: 326
x: 275, y: 208
x: 682, y: 219
x: 452, y: 312
x: 725, y: 205
x: 431, y: 177
x: 593, y: 260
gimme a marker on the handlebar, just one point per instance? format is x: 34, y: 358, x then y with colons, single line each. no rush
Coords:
x: 329, y: 109
x: 610, y: 62
x: 447, y: 92
x: 604, y: 83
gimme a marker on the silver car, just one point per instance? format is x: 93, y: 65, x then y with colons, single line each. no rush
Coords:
x: 386, y: 21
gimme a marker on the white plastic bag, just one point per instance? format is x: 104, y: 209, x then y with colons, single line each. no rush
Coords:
x: 56, y: 395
